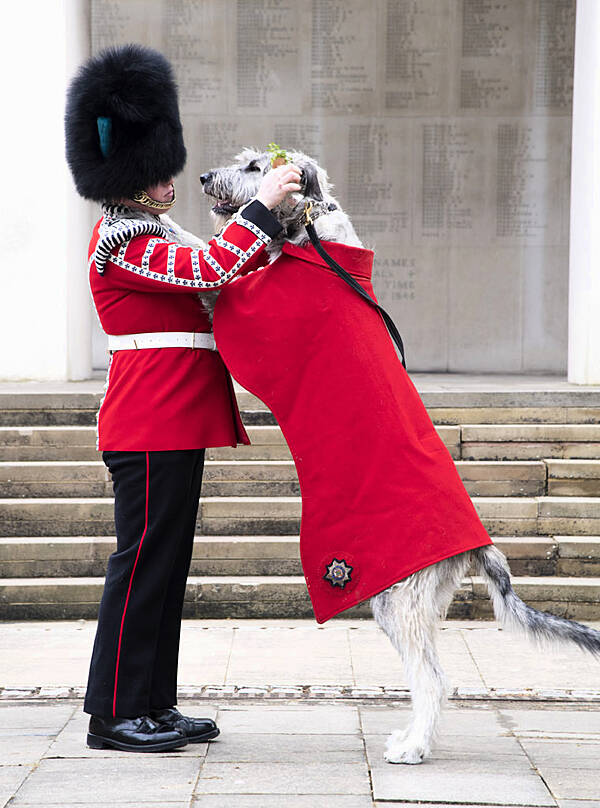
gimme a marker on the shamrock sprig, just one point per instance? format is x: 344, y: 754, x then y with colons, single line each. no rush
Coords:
x: 278, y: 155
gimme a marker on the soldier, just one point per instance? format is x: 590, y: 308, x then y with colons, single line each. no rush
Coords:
x: 168, y: 393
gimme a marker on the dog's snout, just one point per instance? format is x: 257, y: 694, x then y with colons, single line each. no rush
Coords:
x: 204, y: 178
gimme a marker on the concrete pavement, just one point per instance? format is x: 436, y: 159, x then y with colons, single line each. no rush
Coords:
x: 304, y: 711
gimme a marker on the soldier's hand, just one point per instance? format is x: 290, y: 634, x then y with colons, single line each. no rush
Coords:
x: 277, y: 184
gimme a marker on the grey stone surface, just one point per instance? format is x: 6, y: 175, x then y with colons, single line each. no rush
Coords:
x: 566, y: 782
x: 101, y: 780
x: 279, y: 748
x: 576, y: 723
x: 579, y: 803
x: 302, y: 719
x: 505, y: 659
x: 473, y: 654
x: 480, y: 723
x: 302, y: 753
x: 11, y: 778
x: 571, y: 754
x: 284, y: 801
x: 453, y: 782
x: 283, y: 778
x: 297, y: 657
x: 44, y: 718
x: 23, y: 746
x: 497, y: 749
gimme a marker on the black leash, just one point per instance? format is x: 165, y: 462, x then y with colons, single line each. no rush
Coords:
x: 345, y: 276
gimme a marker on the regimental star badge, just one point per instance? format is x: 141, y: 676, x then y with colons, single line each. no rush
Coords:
x: 338, y: 573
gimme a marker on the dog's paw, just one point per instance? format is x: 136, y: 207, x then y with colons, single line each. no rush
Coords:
x: 400, y: 750
x: 397, y: 736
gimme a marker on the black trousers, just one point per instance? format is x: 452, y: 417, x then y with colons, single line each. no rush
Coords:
x: 134, y: 661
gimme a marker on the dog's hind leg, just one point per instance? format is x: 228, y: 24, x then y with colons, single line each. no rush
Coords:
x: 409, y: 613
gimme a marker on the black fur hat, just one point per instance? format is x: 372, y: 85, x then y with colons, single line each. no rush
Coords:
x: 122, y: 126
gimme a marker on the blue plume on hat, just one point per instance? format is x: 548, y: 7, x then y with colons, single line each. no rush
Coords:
x: 104, y: 125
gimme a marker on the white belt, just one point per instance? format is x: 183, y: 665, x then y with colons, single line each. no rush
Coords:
x: 162, y: 339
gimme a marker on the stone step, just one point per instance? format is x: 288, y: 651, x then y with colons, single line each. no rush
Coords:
x: 79, y: 443
x: 255, y: 516
x: 580, y: 478
x: 86, y: 556
x: 283, y: 597
x: 61, y: 478
x: 256, y: 478
x: 529, y: 441
x: 514, y: 415
x: 467, y: 442
x: 449, y: 400
x: 61, y: 413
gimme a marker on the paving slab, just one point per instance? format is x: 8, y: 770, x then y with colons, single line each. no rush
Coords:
x: 583, y: 723
x: 92, y: 781
x: 284, y: 778
x: 455, y: 782
x: 278, y: 748
x: 283, y: 801
x: 205, y: 652
x: 574, y: 754
x: 57, y: 653
x: 579, y: 803
x: 470, y: 754
x: 20, y: 747
x: 11, y: 777
x: 573, y: 784
x: 508, y: 660
x: 482, y: 722
x: 290, y: 656
x: 303, y: 719
x: 46, y: 719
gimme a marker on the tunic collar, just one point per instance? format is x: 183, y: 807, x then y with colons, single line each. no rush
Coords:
x: 355, y: 260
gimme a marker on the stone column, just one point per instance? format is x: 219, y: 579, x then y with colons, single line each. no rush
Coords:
x: 584, y: 258
x: 45, y: 309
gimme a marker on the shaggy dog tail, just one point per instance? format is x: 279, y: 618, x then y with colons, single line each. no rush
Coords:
x: 511, y: 612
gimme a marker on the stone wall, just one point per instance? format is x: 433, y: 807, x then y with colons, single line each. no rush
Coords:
x: 445, y: 126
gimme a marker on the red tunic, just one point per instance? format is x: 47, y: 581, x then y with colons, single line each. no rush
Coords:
x: 380, y: 492
x: 167, y: 398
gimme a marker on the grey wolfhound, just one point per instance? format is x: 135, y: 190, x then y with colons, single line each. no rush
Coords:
x: 410, y: 610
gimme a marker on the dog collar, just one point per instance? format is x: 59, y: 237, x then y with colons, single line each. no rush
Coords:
x: 312, y: 210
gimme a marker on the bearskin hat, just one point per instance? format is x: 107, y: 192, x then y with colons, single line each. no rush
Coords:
x: 122, y: 126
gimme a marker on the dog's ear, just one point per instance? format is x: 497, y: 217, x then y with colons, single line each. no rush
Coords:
x: 310, y: 183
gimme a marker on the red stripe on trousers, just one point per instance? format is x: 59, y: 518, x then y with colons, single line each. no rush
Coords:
x: 130, y: 584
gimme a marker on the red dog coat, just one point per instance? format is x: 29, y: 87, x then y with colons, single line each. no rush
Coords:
x: 381, y: 496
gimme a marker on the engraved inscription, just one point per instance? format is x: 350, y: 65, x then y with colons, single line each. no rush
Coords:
x: 444, y: 126
x: 342, y: 56
x: 554, y: 55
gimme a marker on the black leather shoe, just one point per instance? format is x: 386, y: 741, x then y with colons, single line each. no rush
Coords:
x: 140, y: 734
x: 195, y: 730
